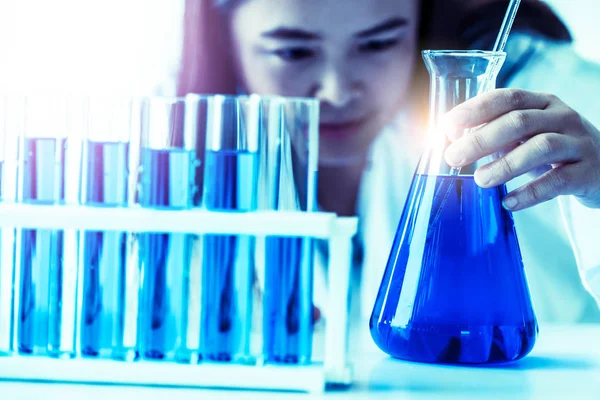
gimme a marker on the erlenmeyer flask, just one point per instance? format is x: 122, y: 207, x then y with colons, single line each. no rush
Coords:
x: 454, y: 289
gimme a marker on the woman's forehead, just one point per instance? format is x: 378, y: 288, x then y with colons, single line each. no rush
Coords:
x: 328, y: 17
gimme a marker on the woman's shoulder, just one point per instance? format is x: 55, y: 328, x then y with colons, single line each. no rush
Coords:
x: 526, y: 50
x: 539, y: 64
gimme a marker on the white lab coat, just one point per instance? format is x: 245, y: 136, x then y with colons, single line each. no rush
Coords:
x: 561, y: 250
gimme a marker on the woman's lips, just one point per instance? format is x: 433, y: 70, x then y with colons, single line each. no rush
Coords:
x: 339, y: 130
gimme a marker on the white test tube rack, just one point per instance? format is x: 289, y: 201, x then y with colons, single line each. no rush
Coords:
x: 316, y: 377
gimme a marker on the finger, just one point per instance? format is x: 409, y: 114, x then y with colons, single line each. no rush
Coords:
x: 491, y: 105
x: 510, y: 128
x: 540, y: 150
x: 558, y: 181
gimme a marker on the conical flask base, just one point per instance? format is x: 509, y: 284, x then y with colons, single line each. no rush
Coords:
x: 454, y: 289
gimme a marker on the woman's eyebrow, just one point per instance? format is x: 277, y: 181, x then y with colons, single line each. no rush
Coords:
x: 294, y: 33
x: 290, y: 33
x: 383, y: 27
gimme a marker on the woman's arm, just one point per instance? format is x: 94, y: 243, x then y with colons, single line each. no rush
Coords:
x: 583, y: 228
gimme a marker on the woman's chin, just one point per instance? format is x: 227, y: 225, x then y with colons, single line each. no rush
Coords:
x: 338, y: 159
x: 344, y: 153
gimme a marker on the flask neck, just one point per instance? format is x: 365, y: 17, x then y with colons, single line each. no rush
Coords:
x: 455, y: 77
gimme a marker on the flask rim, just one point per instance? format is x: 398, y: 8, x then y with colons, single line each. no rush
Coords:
x: 463, y: 53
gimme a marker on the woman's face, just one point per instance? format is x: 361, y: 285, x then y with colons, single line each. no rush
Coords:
x: 356, y: 56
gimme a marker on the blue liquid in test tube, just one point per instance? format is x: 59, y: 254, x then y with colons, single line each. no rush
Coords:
x: 41, y: 249
x: 288, y: 314
x: 228, y: 268
x: 7, y: 260
x: 104, y: 254
x: 167, y: 183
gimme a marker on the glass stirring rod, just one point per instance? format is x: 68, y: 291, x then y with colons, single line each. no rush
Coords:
x: 502, y: 38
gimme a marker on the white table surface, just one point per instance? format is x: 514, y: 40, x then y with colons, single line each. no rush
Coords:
x: 565, y: 363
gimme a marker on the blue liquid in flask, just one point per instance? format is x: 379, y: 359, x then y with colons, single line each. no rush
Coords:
x: 288, y: 314
x: 228, y: 267
x: 43, y: 182
x: 104, y: 253
x: 454, y: 290
x: 167, y: 183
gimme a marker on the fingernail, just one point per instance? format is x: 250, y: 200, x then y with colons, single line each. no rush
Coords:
x: 316, y: 314
x: 510, y: 202
x: 454, y: 155
x: 483, y: 176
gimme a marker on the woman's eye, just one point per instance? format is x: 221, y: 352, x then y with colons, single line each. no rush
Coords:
x: 374, y: 46
x: 294, y: 54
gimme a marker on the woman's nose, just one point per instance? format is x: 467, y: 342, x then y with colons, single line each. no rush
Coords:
x: 337, y: 88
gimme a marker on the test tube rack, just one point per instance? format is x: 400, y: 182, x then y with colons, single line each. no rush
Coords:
x: 334, y: 370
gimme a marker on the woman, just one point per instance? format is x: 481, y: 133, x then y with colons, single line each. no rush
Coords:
x: 361, y: 59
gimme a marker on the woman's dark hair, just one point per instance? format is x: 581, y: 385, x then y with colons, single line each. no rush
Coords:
x: 207, y: 63
x: 464, y: 24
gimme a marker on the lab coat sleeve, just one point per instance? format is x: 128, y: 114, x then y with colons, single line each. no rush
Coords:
x: 583, y: 226
x: 556, y: 68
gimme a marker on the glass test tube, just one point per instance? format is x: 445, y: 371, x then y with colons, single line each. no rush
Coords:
x: 288, y: 176
x: 8, y: 191
x: 49, y: 168
x: 169, y: 167
x: 109, y: 277
x: 230, y: 179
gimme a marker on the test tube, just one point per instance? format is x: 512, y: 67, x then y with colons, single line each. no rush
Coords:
x: 49, y: 174
x: 288, y: 176
x: 230, y: 179
x: 169, y: 166
x: 8, y: 191
x: 107, y: 255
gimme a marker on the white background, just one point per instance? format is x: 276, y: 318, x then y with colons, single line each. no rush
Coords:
x: 128, y: 46
x: 133, y: 46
